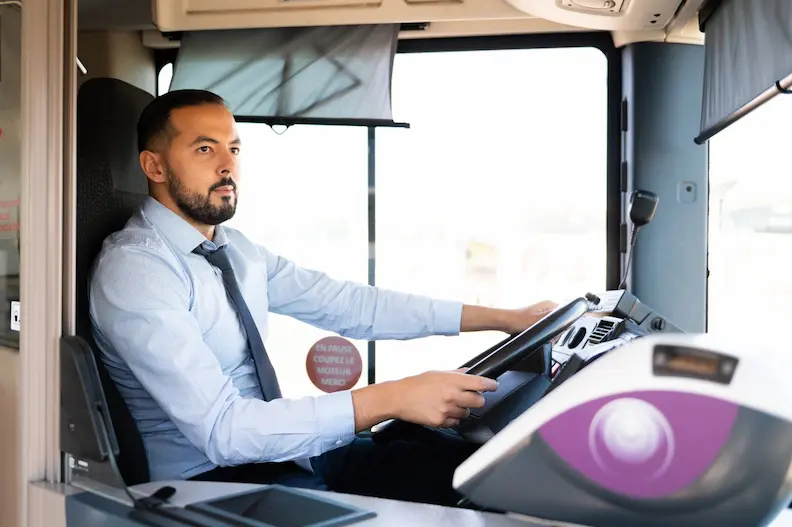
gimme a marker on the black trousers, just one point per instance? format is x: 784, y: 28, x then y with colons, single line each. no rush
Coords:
x: 417, y: 470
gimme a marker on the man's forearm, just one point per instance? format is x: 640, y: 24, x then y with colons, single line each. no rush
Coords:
x: 479, y: 318
x: 374, y: 404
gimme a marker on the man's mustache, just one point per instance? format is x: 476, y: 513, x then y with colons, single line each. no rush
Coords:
x: 225, y: 182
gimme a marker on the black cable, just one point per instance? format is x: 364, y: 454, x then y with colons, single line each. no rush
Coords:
x: 633, y: 238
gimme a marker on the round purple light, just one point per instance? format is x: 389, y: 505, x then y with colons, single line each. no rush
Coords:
x: 627, y: 434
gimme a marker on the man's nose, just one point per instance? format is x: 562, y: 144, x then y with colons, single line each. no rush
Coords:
x: 228, y: 164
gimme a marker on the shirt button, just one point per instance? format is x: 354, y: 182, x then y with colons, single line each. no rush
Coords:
x: 339, y: 442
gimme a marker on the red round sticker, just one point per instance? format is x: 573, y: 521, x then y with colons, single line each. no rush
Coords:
x: 334, y: 364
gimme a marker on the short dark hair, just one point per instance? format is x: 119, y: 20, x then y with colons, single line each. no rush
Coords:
x: 154, y: 123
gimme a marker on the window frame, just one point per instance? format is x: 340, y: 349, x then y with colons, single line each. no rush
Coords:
x: 615, y: 184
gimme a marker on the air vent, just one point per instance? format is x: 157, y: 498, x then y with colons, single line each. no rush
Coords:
x: 602, y: 330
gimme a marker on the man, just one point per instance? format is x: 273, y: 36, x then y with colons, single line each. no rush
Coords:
x: 179, y: 308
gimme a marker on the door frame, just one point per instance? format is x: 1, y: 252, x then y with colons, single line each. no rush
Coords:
x: 47, y: 213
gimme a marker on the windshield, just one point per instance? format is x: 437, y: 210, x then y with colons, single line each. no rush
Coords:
x: 496, y: 195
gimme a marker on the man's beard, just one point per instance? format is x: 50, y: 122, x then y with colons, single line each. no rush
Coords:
x: 199, y: 207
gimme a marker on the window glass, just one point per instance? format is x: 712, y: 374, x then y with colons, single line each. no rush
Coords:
x: 496, y: 195
x: 164, y: 78
x: 10, y: 167
x: 750, y: 224
x: 303, y: 196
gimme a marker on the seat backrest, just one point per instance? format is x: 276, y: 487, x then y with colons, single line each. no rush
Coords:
x: 110, y: 187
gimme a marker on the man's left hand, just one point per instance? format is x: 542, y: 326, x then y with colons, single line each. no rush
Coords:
x: 523, y: 318
x: 512, y: 321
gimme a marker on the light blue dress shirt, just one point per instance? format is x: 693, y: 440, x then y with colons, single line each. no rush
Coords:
x: 174, y: 345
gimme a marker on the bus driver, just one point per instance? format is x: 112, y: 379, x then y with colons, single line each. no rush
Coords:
x: 179, y: 311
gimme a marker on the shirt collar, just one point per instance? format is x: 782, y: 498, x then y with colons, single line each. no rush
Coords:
x: 178, y: 231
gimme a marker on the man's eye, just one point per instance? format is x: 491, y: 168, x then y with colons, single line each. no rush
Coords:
x: 235, y: 151
x: 203, y: 149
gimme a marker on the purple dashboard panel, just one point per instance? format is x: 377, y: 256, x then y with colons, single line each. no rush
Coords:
x: 647, y: 444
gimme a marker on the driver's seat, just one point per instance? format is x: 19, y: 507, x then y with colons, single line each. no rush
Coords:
x: 110, y: 187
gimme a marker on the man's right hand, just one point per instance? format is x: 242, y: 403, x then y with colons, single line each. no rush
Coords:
x: 435, y: 398
x: 441, y: 399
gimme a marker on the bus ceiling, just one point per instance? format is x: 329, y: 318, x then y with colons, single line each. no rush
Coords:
x: 748, y: 60
x: 627, y: 20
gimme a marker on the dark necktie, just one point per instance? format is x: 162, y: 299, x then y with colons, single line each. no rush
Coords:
x: 266, y: 373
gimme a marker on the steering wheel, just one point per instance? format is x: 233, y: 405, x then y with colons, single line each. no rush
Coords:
x: 516, y: 348
x: 500, y: 358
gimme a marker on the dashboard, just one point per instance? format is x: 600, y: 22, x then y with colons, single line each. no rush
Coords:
x: 614, y: 318
x: 600, y: 323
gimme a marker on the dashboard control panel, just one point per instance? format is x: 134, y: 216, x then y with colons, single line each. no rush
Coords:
x: 613, y: 318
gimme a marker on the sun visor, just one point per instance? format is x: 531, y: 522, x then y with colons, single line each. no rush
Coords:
x: 312, y: 75
x: 748, y: 60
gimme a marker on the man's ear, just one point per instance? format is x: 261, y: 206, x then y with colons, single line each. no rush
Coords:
x: 152, y: 166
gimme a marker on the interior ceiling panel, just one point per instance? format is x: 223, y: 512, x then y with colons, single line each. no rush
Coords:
x: 608, y: 15
x: 628, y: 20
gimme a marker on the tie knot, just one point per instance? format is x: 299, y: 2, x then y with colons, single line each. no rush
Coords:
x: 217, y: 257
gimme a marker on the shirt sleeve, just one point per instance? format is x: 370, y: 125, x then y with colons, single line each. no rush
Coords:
x: 140, y: 308
x: 355, y: 310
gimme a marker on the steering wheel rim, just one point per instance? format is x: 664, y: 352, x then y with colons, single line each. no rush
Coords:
x: 520, y: 346
x: 511, y: 350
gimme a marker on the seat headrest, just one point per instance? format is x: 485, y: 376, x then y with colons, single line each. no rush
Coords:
x: 108, y: 111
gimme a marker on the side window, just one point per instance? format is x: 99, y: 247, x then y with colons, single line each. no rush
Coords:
x: 164, y: 78
x: 750, y: 227
x: 10, y: 167
x: 496, y: 195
